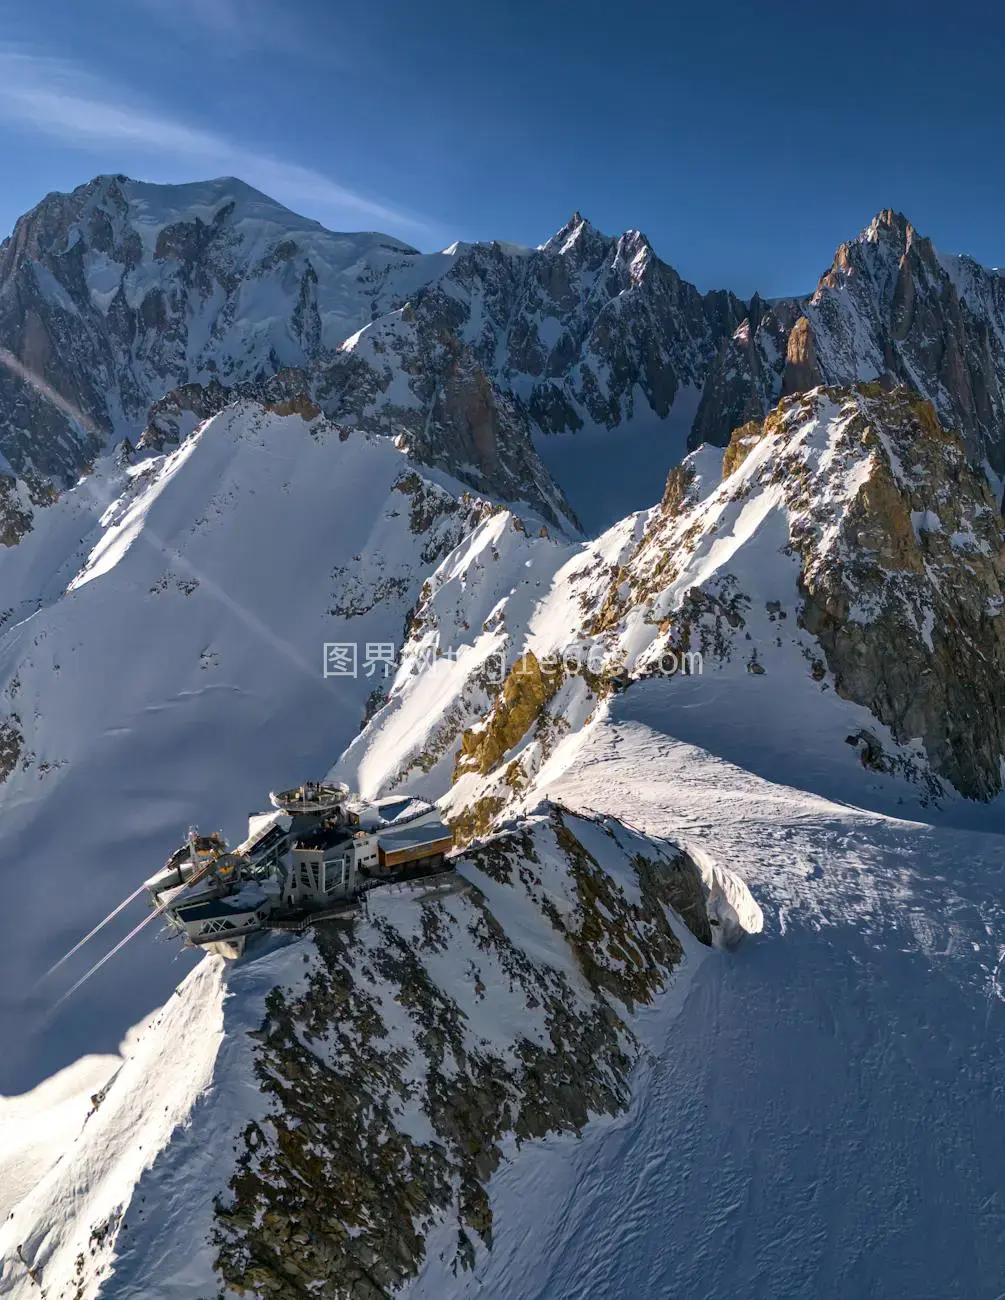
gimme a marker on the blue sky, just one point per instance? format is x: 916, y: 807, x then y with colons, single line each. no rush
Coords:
x: 746, y: 139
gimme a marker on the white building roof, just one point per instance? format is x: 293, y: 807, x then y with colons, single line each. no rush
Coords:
x: 392, y: 810
x: 259, y: 823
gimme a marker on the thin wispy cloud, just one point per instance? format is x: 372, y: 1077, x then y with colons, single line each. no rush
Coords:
x: 238, y: 26
x: 58, y: 99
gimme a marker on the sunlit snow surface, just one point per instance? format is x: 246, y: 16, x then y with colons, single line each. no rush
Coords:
x: 38, y: 1126
x: 824, y: 1117
x: 178, y: 680
x: 820, y: 1111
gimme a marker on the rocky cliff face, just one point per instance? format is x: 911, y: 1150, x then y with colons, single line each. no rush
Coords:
x: 891, y: 307
x: 906, y: 593
x: 342, y: 1112
x: 421, y: 384
x: 116, y: 294
x: 746, y: 378
x: 843, y: 544
x: 586, y: 328
x: 899, y: 542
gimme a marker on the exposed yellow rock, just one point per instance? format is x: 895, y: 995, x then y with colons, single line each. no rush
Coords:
x: 476, y: 819
x: 741, y: 444
x: 801, y: 370
x: 526, y: 691
x: 679, y: 480
x: 300, y: 404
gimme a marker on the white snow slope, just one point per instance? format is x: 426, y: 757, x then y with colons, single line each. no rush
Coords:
x: 824, y: 1117
x: 821, y: 1115
x: 179, y: 678
x: 814, y: 1112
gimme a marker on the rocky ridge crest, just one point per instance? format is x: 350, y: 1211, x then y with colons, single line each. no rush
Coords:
x: 119, y: 293
x: 846, y: 544
x: 891, y: 307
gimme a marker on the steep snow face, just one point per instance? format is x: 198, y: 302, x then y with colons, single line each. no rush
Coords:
x: 161, y: 664
x: 774, y: 1151
x: 890, y: 306
x: 37, y: 1127
x: 845, y: 567
x: 147, y: 1098
x: 324, y: 1109
x: 120, y: 291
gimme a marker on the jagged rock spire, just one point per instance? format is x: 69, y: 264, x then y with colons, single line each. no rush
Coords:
x: 577, y: 235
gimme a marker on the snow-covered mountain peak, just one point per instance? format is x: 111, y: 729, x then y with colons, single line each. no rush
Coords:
x: 206, y: 200
x: 148, y: 208
x: 635, y: 250
x: 585, y: 245
x: 888, y: 245
x: 578, y: 239
x: 122, y: 291
x: 888, y: 224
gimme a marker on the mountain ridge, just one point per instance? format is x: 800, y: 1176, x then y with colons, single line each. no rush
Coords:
x: 766, y: 707
x: 890, y: 307
x: 120, y: 291
x: 165, y: 286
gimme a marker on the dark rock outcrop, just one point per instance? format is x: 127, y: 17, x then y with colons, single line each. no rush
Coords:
x: 746, y: 378
x: 904, y: 587
x: 174, y: 415
x: 890, y: 307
